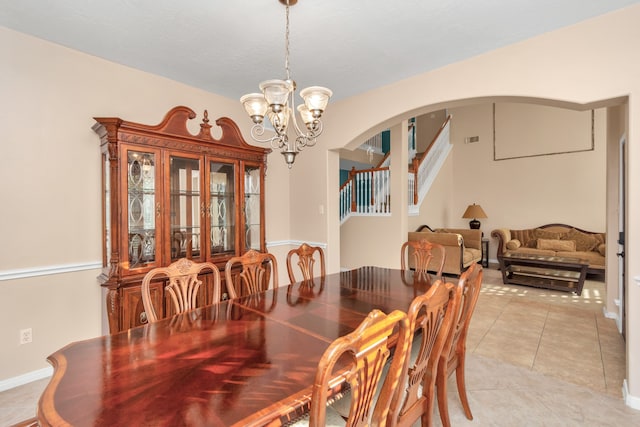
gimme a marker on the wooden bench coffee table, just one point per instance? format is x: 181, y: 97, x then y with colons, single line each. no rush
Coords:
x: 549, y: 272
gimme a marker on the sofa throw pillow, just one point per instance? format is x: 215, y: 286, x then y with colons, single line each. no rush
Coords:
x: 540, y: 233
x: 584, y: 242
x: 557, y: 245
x: 602, y: 248
x: 513, y: 244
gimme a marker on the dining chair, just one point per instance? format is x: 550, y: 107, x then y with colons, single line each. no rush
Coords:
x: 183, y: 285
x: 256, y: 268
x: 427, y: 257
x: 430, y: 318
x: 307, y: 257
x: 359, y: 357
x: 453, y: 355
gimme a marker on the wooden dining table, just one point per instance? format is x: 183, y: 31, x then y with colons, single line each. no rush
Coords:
x: 249, y: 361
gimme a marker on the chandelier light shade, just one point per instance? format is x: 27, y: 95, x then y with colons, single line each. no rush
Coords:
x: 474, y: 211
x: 276, y: 103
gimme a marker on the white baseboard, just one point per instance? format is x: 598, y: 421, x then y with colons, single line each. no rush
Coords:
x: 629, y: 400
x: 609, y: 314
x: 23, y: 379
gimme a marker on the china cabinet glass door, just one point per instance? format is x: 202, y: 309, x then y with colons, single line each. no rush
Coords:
x: 186, y: 207
x: 142, y: 209
x: 222, y: 209
x: 252, y: 208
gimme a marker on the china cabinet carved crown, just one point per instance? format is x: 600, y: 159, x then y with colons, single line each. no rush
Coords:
x: 169, y: 194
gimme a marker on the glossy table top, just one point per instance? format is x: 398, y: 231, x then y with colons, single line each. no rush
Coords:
x: 248, y: 361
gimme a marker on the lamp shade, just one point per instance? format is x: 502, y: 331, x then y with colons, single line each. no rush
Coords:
x: 474, y: 211
x: 316, y: 99
x: 307, y: 116
x: 255, y: 105
x: 276, y: 93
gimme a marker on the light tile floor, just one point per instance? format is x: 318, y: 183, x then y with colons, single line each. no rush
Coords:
x: 534, y: 358
x: 542, y: 358
x: 555, y: 333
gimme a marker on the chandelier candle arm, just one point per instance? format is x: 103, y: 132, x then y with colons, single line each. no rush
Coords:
x: 277, y: 103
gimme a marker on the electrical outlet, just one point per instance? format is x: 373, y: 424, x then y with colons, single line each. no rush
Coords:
x: 26, y: 336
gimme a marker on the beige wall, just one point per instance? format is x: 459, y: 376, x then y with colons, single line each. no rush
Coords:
x: 427, y: 126
x: 437, y: 209
x: 360, y: 246
x: 50, y: 187
x: 361, y: 156
x: 525, y: 129
x: 49, y: 91
x: 59, y: 308
x: 592, y: 64
x: 530, y: 191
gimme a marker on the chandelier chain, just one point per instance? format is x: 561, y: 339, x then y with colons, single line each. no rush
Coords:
x: 286, y: 43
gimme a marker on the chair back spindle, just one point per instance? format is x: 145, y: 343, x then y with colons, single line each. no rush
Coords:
x: 367, y: 349
x: 430, y: 318
x: 182, y: 287
x: 307, y: 257
x: 427, y: 257
x: 257, y: 270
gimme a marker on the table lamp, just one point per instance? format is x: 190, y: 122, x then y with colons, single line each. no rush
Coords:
x: 474, y: 211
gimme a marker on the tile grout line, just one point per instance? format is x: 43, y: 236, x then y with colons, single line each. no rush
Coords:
x: 495, y: 320
x: 544, y: 327
x: 604, y: 374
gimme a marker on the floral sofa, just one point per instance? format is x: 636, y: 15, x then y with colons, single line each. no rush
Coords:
x: 555, y: 240
x: 462, y: 247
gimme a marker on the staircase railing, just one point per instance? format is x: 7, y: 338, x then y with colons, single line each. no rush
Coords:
x: 346, y: 196
x: 411, y: 186
x: 424, y: 167
x: 374, y: 144
x: 412, y: 141
x: 366, y: 192
x: 386, y: 161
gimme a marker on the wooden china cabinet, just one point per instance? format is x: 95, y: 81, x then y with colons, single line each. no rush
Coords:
x: 169, y: 194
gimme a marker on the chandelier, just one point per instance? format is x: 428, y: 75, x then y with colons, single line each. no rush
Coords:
x: 277, y: 102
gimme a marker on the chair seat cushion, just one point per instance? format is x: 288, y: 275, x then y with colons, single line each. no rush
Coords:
x: 471, y: 255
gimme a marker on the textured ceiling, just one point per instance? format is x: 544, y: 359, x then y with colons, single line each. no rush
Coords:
x: 228, y: 47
